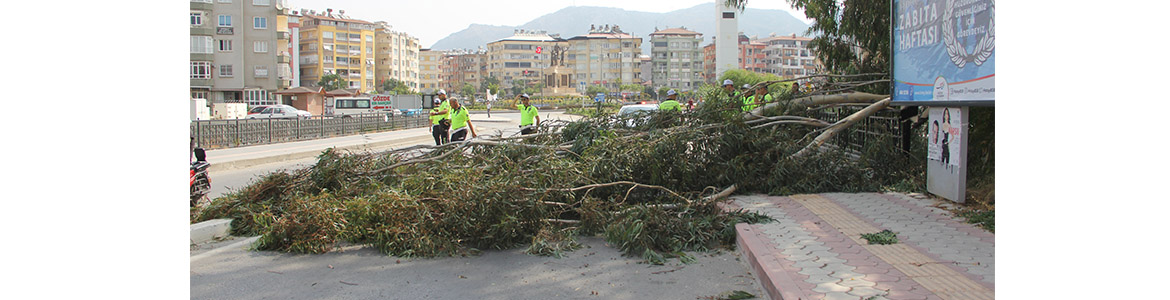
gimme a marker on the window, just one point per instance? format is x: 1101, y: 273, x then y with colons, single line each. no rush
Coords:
x: 196, y: 18
x: 225, y: 70
x: 199, y: 94
x: 729, y: 15
x: 225, y: 21
x: 327, y: 34
x: 370, y: 38
x: 201, y: 44
x: 201, y: 1
x: 225, y: 1
x: 261, y: 71
x: 261, y: 2
x: 260, y: 23
x: 260, y: 46
x: 200, y: 70
x: 225, y: 45
x: 659, y: 44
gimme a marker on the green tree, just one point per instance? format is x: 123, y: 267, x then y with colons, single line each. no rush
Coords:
x: 852, y: 36
x: 741, y: 77
x: 468, y: 91
x: 491, y: 83
x: 332, y: 82
x: 395, y: 86
x: 630, y: 87
x: 648, y: 91
x: 592, y: 90
x: 518, y: 86
x: 662, y: 92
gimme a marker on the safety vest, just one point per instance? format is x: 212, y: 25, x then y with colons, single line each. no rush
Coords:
x: 459, y: 118
x: 527, y: 114
x: 670, y: 105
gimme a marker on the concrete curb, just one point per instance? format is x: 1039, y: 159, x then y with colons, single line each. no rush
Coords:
x: 209, y: 230
x: 769, y: 272
x: 250, y: 162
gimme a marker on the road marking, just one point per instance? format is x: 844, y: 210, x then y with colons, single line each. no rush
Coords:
x: 235, y: 245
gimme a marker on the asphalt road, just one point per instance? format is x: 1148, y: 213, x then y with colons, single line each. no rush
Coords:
x: 226, y: 270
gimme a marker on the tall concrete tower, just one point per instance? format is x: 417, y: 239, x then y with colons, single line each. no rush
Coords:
x: 726, y: 38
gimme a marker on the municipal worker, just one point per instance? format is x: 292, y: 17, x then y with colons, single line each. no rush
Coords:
x: 747, y: 100
x: 670, y: 103
x: 460, y: 122
x: 729, y: 88
x: 440, y: 118
x: 760, y: 98
x: 529, y: 116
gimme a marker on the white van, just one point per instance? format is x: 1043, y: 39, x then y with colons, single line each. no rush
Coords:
x: 353, y: 106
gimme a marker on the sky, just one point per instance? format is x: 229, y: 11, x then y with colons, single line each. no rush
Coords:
x: 433, y: 20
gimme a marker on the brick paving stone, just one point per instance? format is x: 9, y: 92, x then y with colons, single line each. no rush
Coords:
x: 856, y: 282
x: 839, y: 296
x: 865, y: 292
x: 819, y: 279
x: 814, y: 271
x: 847, y: 275
x: 839, y: 268
x: 808, y: 264
x: 830, y: 287
x: 823, y: 253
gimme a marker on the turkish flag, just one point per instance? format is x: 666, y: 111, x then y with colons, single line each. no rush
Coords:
x: 538, y: 49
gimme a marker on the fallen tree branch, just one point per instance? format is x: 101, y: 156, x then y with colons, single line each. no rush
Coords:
x: 598, y: 185
x: 817, y: 100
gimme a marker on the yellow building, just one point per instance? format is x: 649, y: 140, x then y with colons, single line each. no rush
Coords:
x: 397, y: 56
x: 606, y: 57
x: 336, y: 44
x: 429, y: 73
x: 515, y: 59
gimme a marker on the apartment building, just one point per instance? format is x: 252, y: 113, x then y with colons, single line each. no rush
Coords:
x: 237, y: 50
x: 428, y: 69
x: 750, y: 53
x: 397, y: 56
x: 789, y: 56
x: 463, y: 66
x: 677, y: 59
x: 527, y: 56
x: 333, y: 43
x: 606, y: 57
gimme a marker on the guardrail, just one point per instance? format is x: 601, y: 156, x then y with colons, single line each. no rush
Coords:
x: 215, y: 134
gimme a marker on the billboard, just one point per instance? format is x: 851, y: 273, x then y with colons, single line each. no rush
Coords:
x: 943, y: 52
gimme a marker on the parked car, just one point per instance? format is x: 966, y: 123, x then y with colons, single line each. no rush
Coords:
x: 276, y: 112
x: 304, y: 114
x: 631, y: 111
x: 257, y: 109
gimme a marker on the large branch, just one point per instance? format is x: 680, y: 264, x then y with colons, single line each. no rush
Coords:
x: 597, y: 185
x: 842, y: 125
x: 817, y: 100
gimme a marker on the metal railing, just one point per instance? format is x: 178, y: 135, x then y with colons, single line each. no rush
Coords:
x: 883, y: 125
x: 215, y: 134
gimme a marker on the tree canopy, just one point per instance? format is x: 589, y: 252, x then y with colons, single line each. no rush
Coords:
x: 332, y: 82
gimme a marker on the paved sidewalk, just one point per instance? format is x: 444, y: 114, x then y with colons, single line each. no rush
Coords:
x: 815, y: 251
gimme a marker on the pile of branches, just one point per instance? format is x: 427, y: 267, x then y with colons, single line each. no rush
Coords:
x: 652, y: 185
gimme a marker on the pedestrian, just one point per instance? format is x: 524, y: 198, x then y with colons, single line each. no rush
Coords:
x: 440, y: 118
x: 460, y: 122
x: 489, y: 107
x: 671, y: 103
x: 795, y: 89
x: 760, y: 98
x: 529, y: 115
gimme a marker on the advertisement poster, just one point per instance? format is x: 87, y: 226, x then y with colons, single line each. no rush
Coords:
x: 943, y: 136
x: 944, y: 51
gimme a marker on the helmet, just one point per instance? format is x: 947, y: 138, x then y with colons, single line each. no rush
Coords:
x: 728, y: 82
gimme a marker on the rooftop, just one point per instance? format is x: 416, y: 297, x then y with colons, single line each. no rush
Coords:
x: 679, y: 31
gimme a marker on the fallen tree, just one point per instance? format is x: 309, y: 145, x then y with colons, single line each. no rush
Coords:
x: 650, y: 184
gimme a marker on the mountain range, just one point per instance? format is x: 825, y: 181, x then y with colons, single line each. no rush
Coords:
x: 574, y: 21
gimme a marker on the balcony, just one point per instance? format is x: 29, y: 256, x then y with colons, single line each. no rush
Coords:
x: 283, y: 59
x: 283, y: 35
x: 201, y: 6
x: 202, y: 30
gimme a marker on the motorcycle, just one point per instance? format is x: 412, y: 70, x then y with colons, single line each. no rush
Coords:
x: 200, y: 182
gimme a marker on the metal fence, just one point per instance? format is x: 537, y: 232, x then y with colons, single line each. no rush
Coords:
x: 883, y: 125
x: 213, y: 134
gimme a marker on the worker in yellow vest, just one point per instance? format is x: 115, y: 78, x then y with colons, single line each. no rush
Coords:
x: 529, y: 116
x: 440, y: 118
x: 670, y: 103
x: 460, y: 122
x: 760, y: 98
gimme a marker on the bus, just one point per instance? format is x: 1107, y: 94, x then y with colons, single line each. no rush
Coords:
x: 361, y: 105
